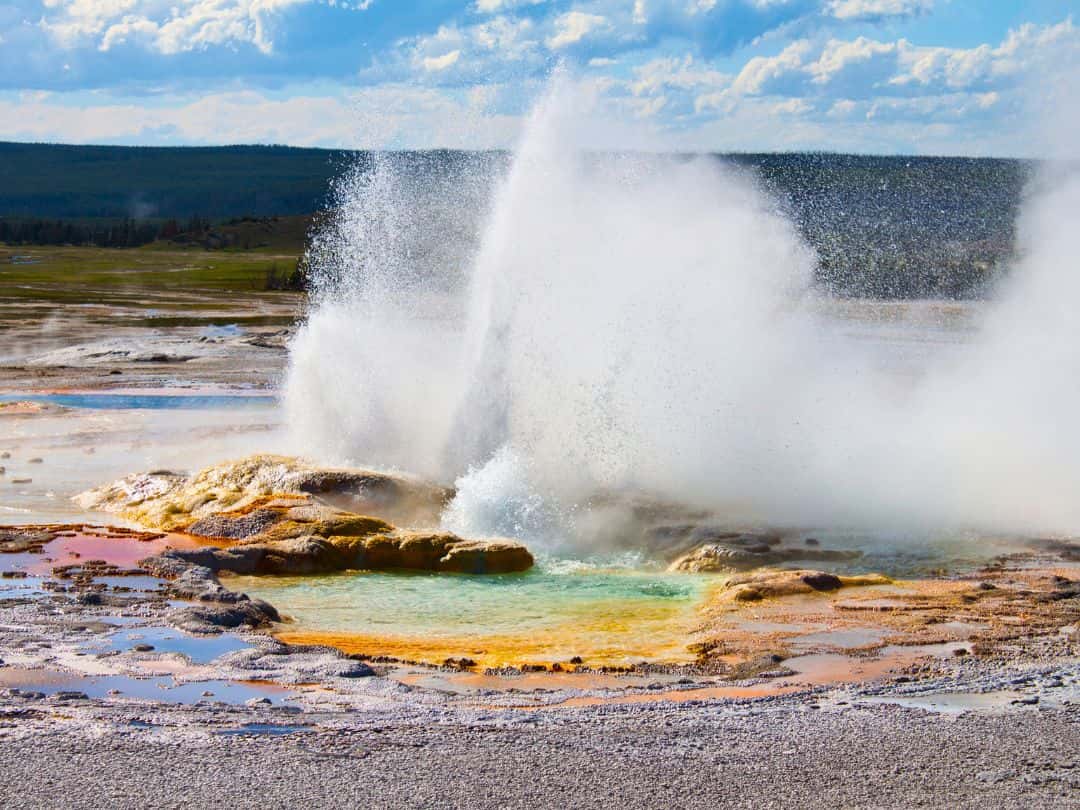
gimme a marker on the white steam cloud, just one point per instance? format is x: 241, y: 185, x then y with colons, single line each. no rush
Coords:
x: 647, y: 326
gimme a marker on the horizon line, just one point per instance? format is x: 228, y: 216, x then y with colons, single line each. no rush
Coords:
x: 511, y: 150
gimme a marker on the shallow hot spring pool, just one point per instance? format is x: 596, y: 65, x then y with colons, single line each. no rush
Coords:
x: 556, y: 611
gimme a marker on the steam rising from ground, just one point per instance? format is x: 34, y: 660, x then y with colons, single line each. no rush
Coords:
x: 645, y: 325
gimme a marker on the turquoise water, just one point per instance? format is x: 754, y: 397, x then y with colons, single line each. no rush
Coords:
x: 147, y: 401
x: 556, y: 611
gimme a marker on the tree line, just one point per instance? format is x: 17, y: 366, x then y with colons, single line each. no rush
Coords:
x: 122, y: 233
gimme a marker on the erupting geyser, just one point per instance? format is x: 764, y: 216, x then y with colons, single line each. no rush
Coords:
x: 577, y: 327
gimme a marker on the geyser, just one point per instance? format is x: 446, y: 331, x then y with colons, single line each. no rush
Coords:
x: 578, y: 328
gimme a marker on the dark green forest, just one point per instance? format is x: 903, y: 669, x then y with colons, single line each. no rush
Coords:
x: 888, y: 227
x: 51, y: 181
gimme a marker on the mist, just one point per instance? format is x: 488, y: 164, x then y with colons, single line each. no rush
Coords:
x: 580, y: 329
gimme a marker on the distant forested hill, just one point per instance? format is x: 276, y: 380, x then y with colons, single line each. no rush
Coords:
x: 890, y: 227
x: 76, y: 182
x: 900, y: 227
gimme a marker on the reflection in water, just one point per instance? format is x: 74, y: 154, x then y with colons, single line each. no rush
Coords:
x: 163, y: 689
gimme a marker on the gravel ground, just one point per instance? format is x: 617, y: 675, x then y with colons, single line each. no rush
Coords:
x: 659, y: 755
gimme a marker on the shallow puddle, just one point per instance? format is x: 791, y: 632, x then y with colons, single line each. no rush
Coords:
x: 951, y: 702
x: 263, y: 730
x: 809, y: 670
x: 75, y: 548
x: 162, y: 689
x: 846, y: 639
x: 145, y: 401
x: 197, y: 649
x: 681, y: 696
x: 22, y: 588
x: 464, y: 683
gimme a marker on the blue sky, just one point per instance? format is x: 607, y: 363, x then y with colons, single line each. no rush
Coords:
x: 913, y: 76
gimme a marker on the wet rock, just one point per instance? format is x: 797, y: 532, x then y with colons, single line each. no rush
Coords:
x: 215, y: 619
x: 461, y: 664
x: 353, y: 669
x: 24, y: 539
x: 822, y: 581
x: 1064, y: 588
x: 88, y: 570
x: 190, y: 581
x: 143, y: 648
x: 426, y: 551
x: 756, y: 667
x: 1065, y: 549
x: 235, y: 527
x: 24, y: 694
x: 743, y: 553
x: 69, y: 695
x: 773, y: 584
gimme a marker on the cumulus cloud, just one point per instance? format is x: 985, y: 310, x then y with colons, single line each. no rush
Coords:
x: 853, y: 10
x: 574, y: 26
x: 762, y: 73
x: 493, y: 6
x: 480, y: 53
x: 672, y: 72
x: 441, y: 62
x: 864, y: 67
x: 168, y: 29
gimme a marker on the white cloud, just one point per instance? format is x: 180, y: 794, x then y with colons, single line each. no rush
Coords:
x: 760, y: 72
x: 574, y: 26
x: 682, y: 74
x: 185, y: 26
x: 475, y: 53
x: 860, y: 57
x: 949, y: 108
x: 507, y: 36
x: 494, y: 6
x: 851, y: 10
x: 390, y: 116
x: 1021, y: 51
x: 844, y: 108
x: 865, y: 67
x: 793, y: 106
x: 441, y: 62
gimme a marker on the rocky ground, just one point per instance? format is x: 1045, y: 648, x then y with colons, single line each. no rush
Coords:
x: 827, y: 749
x: 162, y: 339
x: 106, y: 703
x: 960, y: 690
